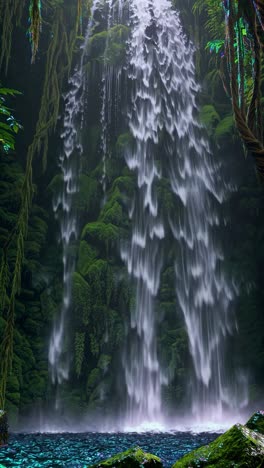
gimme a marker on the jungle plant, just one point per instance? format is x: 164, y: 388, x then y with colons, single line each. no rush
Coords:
x: 236, y: 38
x: 9, y: 126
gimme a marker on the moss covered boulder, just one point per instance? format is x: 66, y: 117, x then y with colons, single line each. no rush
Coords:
x: 132, y: 458
x: 256, y: 422
x: 3, y: 428
x: 239, y: 447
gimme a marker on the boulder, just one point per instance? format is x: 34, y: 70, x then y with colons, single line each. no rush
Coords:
x: 3, y: 428
x: 256, y: 422
x: 239, y: 447
x: 132, y: 458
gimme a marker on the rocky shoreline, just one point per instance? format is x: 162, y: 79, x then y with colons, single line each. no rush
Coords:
x: 240, y: 447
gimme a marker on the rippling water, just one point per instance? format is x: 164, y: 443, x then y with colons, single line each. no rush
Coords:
x: 81, y: 450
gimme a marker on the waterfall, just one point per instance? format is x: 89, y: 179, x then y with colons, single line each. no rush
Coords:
x: 167, y: 142
x: 164, y: 92
x: 143, y: 254
x: 65, y: 212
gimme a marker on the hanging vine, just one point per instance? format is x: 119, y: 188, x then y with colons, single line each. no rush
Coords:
x: 35, y: 26
x: 10, y: 15
x: 239, y: 51
x: 249, y: 124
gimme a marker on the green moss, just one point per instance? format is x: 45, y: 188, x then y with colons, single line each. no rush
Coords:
x: 239, y: 447
x: 225, y: 128
x: 81, y: 294
x: 100, y: 232
x: 209, y: 118
x: 256, y: 422
x: 93, y: 380
x: 104, y: 362
x: 79, y: 352
x: 87, y: 254
x: 109, y: 46
x: 124, y: 184
x: 124, y: 142
x: 112, y: 213
x: 132, y: 458
x: 87, y: 194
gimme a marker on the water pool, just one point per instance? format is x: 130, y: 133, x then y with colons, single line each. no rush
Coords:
x: 81, y: 450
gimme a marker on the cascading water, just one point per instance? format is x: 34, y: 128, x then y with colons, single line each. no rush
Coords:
x: 143, y: 255
x: 167, y: 142
x: 164, y: 102
x: 106, y: 110
x: 63, y: 206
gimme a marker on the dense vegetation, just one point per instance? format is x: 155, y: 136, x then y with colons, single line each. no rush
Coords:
x: 31, y: 268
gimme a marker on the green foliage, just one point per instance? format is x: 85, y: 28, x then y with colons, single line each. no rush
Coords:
x: 215, y: 22
x: 123, y: 143
x: 209, y: 118
x: 104, y: 362
x: 93, y: 380
x: 81, y: 292
x: 10, y: 15
x: 79, y: 352
x: 100, y: 232
x: 86, y: 198
x: 87, y: 254
x: 9, y: 126
x: 225, y: 128
x: 215, y: 46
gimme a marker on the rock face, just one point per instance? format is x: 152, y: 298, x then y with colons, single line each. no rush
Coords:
x: 3, y: 428
x: 133, y: 458
x: 256, y: 422
x: 239, y: 447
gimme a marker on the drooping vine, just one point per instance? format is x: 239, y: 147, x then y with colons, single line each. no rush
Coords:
x: 249, y: 123
x: 239, y: 52
x: 10, y: 15
x: 35, y: 26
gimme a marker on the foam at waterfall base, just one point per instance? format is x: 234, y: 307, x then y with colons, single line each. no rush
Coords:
x: 175, y: 424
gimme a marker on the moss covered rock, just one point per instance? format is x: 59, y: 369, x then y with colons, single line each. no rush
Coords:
x: 132, y: 458
x: 239, y: 447
x: 3, y: 428
x: 256, y: 423
x: 109, y: 46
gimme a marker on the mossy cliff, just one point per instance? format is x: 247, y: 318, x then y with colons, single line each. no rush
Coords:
x: 132, y: 458
x: 239, y: 447
x: 102, y: 293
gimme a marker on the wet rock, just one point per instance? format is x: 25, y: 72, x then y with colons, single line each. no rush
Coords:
x: 239, y: 447
x: 3, y: 428
x: 256, y: 422
x: 132, y: 458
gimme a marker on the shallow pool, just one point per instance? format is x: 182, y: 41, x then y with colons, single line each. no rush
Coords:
x: 81, y: 450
